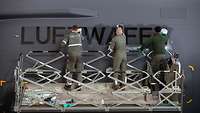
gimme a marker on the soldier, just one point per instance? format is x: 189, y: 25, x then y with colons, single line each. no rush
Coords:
x: 157, y: 44
x: 73, y: 40
x: 118, y: 46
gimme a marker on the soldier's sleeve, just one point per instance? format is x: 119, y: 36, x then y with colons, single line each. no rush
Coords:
x: 147, y: 42
x: 66, y: 39
x: 167, y: 40
x: 112, y: 46
x: 81, y: 35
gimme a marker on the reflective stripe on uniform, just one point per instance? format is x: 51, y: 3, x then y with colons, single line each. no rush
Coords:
x: 64, y: 41
x: 70, y: 45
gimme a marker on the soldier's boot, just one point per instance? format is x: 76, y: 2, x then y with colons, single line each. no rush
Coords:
x: 76, y: 86
x: 116, y: 84
x: 77, y: 76
x: 68, y: 83
x: 124, y: 79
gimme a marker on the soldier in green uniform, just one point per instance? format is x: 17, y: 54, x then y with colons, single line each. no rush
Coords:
x: 73, y: 41
x: 157, y: 44
x: 118, y: 47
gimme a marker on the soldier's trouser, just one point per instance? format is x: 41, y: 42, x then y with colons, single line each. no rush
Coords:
x: 159, y: 63
x: 171, y: 77
x: 148, y: 68
x: 119, y: 66
x: 74, y: 65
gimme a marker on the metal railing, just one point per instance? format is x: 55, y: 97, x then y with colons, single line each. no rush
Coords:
x: 132, y: 90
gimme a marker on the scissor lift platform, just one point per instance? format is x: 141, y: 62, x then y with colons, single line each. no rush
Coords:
x: 38, y: 88
x: 106, y: 101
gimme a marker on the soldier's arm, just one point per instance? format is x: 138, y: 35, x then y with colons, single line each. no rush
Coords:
x: 146, y: 43
x: 167, y: 40
x: 81, y: 35
x: 112, y: 45
x: 65, y: 40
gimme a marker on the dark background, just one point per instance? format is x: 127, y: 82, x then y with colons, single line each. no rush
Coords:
x: 181, y: 16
